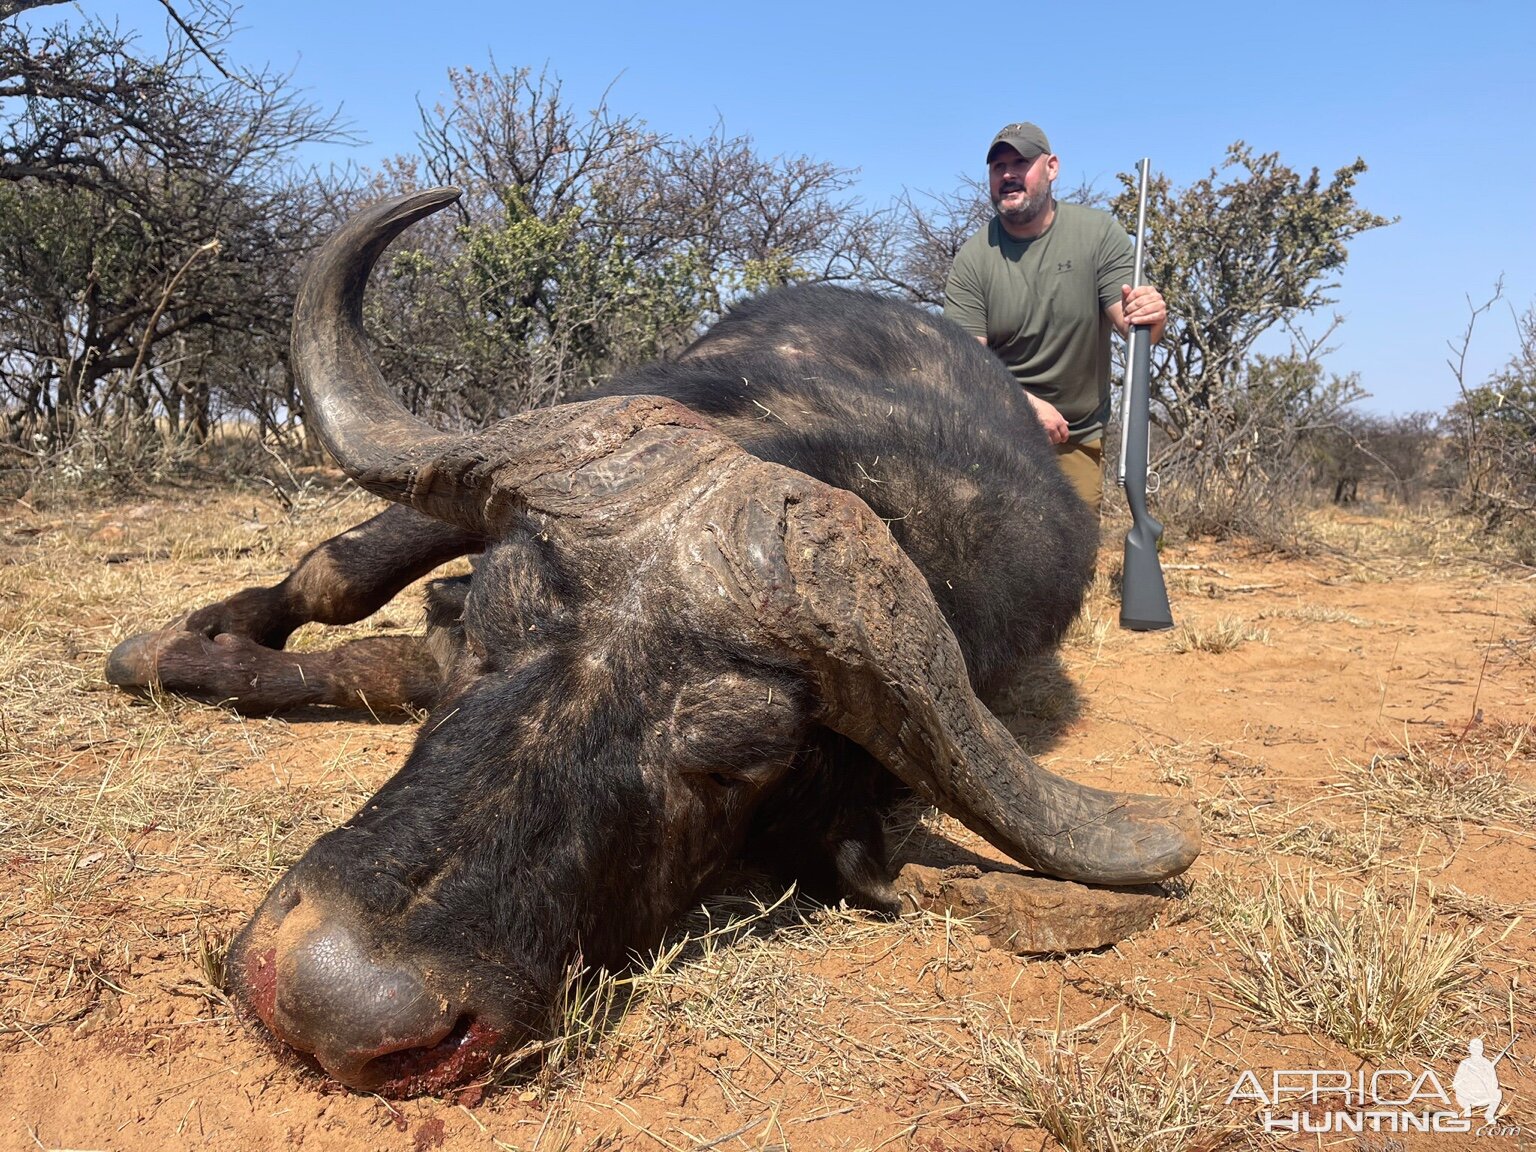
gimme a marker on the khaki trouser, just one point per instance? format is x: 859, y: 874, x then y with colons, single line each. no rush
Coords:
x: 1084, y: 466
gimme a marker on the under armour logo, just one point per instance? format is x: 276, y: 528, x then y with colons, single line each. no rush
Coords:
x: 1064, y: 266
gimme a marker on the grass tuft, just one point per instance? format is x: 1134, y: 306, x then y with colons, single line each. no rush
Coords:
x: 1446, y: 787
x: 1225, y: 634
x: 1091, y: 627
x: 1381, y: 975
x: 1120, y: 1094
x: 1316, y: 614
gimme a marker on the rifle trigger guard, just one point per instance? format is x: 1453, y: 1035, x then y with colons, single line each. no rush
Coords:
x: 1154, y: 483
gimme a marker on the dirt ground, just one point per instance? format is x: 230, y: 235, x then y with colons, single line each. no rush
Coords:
x: 1356, y: 724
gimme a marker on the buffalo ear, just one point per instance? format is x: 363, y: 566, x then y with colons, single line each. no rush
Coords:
x: 836, y: 590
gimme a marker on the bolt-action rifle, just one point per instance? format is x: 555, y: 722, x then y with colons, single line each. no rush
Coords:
x: 1143, y: 596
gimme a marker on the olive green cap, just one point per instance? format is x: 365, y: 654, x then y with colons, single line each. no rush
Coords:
x: 1024, y: 138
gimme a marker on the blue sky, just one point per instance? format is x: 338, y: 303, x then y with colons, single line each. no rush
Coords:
x: 1437, y: 98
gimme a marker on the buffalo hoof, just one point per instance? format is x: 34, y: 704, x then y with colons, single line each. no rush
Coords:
x: 1029, y: 913
x: 192, y: 664
x: 135, y: 663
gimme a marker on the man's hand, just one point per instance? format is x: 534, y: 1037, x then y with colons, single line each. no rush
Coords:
x: 1144, y: 305
x: 1054, y: 423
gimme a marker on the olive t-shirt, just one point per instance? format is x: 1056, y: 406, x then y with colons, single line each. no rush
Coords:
x: 1040, y: 304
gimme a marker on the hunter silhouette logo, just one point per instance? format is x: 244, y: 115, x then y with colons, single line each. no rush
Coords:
x: 1476, y: 1083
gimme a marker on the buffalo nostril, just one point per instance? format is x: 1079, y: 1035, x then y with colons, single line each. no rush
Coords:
x: 336, y: 1002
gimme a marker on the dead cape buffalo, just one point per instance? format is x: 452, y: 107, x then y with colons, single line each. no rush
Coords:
x: 725, y: 609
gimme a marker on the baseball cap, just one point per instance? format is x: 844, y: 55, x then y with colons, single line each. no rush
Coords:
x: 1024, y: 138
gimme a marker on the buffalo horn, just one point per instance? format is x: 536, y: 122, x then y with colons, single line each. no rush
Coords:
x: 889, y: 672
x: 474, y: 480
x: 359, y: 418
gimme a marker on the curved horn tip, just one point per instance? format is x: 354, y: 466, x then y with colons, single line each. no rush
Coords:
x: 441, y: 196
x: 374, y: 225
x: 1163, y: 840
x: 409, y: 207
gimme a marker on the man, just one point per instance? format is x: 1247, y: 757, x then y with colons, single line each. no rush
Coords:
x: 1042, y: 285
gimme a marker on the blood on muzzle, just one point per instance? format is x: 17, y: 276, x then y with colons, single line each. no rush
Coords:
x: 370, y: 1022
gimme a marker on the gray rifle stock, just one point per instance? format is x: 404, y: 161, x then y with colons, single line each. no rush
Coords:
x: 1143, y: 595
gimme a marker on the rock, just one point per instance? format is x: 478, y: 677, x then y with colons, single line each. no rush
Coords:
x: 1027, y: 913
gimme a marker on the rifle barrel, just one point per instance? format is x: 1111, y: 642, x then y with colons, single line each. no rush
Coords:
x: 1145, y: 169
x: 1143, y: 594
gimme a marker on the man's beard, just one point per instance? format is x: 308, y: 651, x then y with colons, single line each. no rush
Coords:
x: 1027, y: 212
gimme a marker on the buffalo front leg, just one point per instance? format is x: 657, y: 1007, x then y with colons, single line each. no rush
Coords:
x: 379, y: 673
x: 341, y: 581
x: 230, y: 651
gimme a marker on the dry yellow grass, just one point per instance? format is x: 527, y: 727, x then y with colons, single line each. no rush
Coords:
x: 1459, y: 783
x: 1379, y: 974
x: 1383, y: 547
x: 1316, y: 614
x: 1114, y: 1091
x: 1216, y: 636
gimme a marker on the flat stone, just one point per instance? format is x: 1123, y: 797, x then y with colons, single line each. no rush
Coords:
x: 1028, y: 913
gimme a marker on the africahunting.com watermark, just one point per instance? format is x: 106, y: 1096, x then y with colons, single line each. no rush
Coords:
x: 1392, y: 1100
